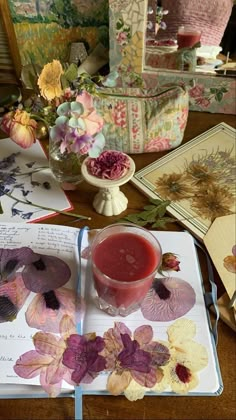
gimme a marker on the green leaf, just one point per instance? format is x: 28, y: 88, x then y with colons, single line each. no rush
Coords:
x: 213, y: 90
x: 219, y: 96
x: 134, y: 218
x: 224, y: 90
x: 161, y: 209
x: 149, y: 207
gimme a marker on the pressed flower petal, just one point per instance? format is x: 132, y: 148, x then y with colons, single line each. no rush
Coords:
x: 52, y: 390
x: 143, y: 334
x: 178, y: 383
x: 8, y: 311
x: 40, y: 315
x: 15, y: 294
x: 13, y: 259
x: 30, y: 364
x: 174, y: 298
x: 48, y: 273
x: 148, y: 379
x: 181, y: 330
x: 48, y: 344
x: 117, y: 382
x: 192, y: 354
x: 135, y: 391
x: 159, y: 352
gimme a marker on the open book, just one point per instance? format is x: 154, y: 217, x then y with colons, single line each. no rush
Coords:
x: 62, y: 242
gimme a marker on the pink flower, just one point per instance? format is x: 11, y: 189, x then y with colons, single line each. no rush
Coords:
x: 20, y: 128
x: 203, y: 102
x: 119, y: 114
x: 157, y: 144
x: 93, y: 121
x: 196, y: 91
x: 110, y: 164
x: 85, y: 99
x: 46, y: 359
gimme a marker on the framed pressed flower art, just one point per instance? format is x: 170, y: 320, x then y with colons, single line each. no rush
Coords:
x: 198, y: 179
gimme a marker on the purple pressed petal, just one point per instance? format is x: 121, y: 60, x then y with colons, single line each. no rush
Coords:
x: 160, y: 354
x: 12, y: 259
x: 145, y: 379
x: 79, y: 373
x: 99, y: 364
x: 177, y: 298
x: 45, y: 274
x: 69, y: 359
x: 76, y: 340
x: 96, y: 345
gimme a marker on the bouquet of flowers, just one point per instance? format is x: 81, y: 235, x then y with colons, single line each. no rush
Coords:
x: 63, y: 104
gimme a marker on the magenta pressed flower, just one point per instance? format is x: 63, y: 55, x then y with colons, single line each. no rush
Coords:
x: 13, y: 259
x: 168, y: 299
x: 82, y: 356
x: 45, y: 274
x: 110, y: 164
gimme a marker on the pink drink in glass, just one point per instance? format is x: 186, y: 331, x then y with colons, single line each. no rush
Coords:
x: 187, y: 37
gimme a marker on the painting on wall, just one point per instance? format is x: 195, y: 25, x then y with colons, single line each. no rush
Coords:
x: 45, y: 29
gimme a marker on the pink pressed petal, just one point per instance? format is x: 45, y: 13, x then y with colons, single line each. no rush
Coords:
x: 67, y: 327
x: 52, y: 390
x: 117, y: 382
x: 48, y: 344
x: 143, y: 334
x: 48, y: 320
x: 55, y: 372
x: 145, y: 379
x: 30, y: 364
x: 181, y: 300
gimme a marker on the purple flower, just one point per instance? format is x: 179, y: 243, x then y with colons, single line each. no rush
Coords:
x: 132, y: 357
x: 82, y: 355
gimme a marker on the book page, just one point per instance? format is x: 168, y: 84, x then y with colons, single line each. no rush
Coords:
x: 26, y: 176
x: 181, y: 244
x: 16, y: 336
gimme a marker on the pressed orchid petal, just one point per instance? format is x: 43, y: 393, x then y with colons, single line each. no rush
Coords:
x: 187, y: 355
x: 135, y: 391
x: 118, y: 382
x: 40, y: 314
x: 181, y: 379
x: 13, y: 259
x: 55, y: 371
x: 143, y: 334
x: 181, y: 330
x: 46, y: 343
x: 48, y: 273
x: 67, y: 327
x: 169, y: 299
x: 162, y: 380
x: 30, y: 364
x: 148, y: 379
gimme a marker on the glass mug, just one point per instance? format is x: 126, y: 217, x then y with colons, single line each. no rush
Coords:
x: 124, y: 259
x: 188, y: 36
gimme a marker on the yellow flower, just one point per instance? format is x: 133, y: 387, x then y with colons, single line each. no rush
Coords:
x: 173, y: 187
x: 49, y: 81
x: 213, y: 201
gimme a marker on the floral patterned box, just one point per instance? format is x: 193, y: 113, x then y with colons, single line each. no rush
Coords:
x: 140, y: 120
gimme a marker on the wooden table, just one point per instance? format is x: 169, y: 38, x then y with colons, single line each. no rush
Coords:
x: 149, y: 408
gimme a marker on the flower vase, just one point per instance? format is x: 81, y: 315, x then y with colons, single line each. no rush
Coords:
x: 66, y: 166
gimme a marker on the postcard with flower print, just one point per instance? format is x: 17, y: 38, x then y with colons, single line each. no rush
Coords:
x: 198, y: 178
x: 25, y: 178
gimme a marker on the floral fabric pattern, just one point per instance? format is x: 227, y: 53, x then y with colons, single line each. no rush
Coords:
x: 139, y: 121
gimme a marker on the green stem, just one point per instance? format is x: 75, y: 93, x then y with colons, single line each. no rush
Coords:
x: 78, y: 216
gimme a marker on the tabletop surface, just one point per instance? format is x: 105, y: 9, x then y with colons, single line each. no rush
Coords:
x: 149, y: 408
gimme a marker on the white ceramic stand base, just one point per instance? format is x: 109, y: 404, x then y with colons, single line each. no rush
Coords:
x: 109, y: 201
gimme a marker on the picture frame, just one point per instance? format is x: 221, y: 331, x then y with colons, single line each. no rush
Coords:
x: 192, y: 177
x: 10, y: 61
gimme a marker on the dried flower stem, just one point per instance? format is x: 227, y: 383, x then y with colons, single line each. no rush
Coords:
x: 78, y: 216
